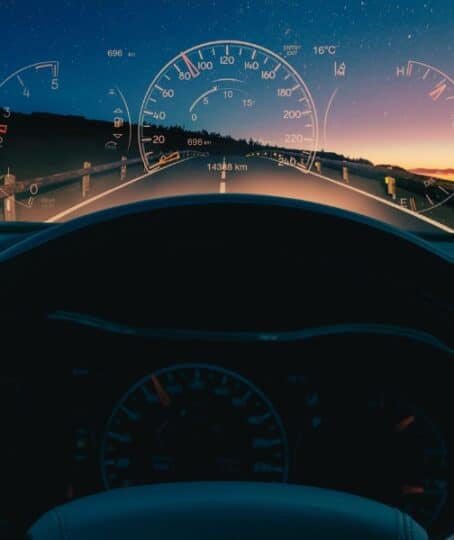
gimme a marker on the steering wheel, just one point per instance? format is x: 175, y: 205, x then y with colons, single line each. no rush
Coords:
x: 225, y: 511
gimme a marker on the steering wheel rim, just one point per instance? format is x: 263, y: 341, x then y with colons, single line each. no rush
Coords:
x: 225, y: 511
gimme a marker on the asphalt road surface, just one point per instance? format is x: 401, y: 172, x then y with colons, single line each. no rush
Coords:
x: 238, y: 174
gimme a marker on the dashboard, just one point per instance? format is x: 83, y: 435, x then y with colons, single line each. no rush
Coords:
x: 150, y: 411
x: 197, y: 354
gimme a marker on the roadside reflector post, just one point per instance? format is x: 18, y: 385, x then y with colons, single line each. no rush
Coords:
x: 123, y: 168
x: 318, y: 167
x: 391, y: 187
x: 345, y: 174
x: 9, y: 203
x: 86, y: 180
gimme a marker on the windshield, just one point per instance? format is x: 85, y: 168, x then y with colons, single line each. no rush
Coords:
x: 345, y: 103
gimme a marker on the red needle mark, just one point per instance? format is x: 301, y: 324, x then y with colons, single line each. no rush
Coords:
x: 163, y: 396
x: 192, y: 69
x: 413, y: 490
x: 405, y: 423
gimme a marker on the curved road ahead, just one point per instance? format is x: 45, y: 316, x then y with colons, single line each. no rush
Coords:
x: 244, y: 175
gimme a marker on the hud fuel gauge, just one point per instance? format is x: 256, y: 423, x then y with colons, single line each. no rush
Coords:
x: 424, y: 125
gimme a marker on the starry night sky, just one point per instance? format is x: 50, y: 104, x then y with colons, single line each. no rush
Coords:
x: 374, y: 115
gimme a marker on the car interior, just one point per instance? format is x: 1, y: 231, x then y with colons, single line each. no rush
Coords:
x: 226, y: 255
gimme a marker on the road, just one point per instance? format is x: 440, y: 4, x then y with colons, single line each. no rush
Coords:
x: 238, y: 174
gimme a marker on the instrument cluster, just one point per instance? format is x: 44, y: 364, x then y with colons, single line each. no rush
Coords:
x: 352, y: 421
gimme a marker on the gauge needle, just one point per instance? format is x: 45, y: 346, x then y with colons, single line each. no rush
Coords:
x: 405, y: 423
x: 163, y: 396
x: 413, y: 490
x: 191, y: 67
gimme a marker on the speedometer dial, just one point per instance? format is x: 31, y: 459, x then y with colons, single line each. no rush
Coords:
x: 227, y: 97
x: 193, y: 422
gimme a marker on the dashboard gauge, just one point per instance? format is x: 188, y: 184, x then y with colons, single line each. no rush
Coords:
x: 193, y: 422
x: 416, y: 465
x: 228, y: 98
x: 430, y: 117
x: 384, y: 449
x: 24, y: 130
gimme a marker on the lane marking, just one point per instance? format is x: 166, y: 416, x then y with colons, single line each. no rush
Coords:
x: 223, y: 183
x: 80, y: 205
x: 432, y: 222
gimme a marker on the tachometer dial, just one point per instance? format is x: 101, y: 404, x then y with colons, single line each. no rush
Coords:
x: 416, y: 471
x: 385, y: 449
x: 193, y: 422
x: 24, y: 130
x: 227, y: 97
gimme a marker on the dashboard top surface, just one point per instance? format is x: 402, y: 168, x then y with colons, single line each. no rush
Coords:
x: 159, y: 260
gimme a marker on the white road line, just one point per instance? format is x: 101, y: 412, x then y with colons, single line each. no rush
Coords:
x: 389, y: 203
x: 374, y: 197
x: 78, y: 206
x: 223, y: 183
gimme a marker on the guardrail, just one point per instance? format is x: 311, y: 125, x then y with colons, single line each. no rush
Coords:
x: 390, y: 176
x: 12, y: 186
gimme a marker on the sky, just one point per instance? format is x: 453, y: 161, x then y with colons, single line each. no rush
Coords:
x: 374, y: 113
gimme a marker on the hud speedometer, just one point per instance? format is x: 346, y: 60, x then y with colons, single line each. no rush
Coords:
x: 228, y: 98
